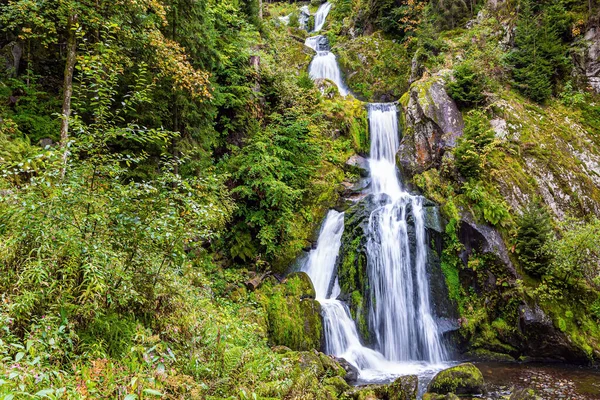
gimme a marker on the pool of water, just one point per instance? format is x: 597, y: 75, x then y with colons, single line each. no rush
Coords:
x: 551, y: 381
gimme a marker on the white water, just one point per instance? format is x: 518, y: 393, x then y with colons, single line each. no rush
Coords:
x: 321, y: 15
x: 341, y: 337
x: 401, y: 313
x: 324, y: 66
x: 406, y: 336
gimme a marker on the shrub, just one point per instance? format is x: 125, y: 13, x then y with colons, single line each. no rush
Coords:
x: 467, y: 87
x: 534, y: 230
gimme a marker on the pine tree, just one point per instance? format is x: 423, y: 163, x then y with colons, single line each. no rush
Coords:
x: 534, y: 231
x: 539, y: 57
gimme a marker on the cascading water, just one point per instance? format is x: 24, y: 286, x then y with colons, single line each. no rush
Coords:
x: 321, y: 15
x: 341, y: 336
x: 324, y: 65
x: 406, y: 336
x: 400, y: 315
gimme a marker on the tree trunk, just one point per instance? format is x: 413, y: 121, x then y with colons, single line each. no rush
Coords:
x: 68, y: 87
x: 260, y: 9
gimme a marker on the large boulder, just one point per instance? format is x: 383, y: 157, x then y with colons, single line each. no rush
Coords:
x: 542, y: 340
x: 432, y: 124
x: 293, y: 315
x: 463, y: 379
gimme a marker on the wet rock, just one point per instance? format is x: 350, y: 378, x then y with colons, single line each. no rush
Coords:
x: 433, y: 123
x: 461, y: 379
x: 359, y: 164
x: 351, y: 375
x: 543, y: 340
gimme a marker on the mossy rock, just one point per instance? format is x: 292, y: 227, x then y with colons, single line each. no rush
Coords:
x: 362, y: 393
x: 435, y: 396
x: 462, y: 379
x: 332, y: 367
x: 487, y: 355
x: 403, y: 388
x: 293, y: 317
x: 302, y: 284
x: 338, y: 383
x: 310, y: 360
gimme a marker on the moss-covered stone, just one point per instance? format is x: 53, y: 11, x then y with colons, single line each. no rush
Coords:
x: 332, y: 367
x: 305, y: 285
x: 403, y: 388
x: 293, y: 316
x: 462, y: 379
x: 338, y: 383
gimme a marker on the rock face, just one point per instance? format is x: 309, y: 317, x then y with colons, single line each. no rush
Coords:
x: 542, y: 339
x: 588, y: 59
x: 485, y: 240
x: 433, y: 123
x: 463, y: 379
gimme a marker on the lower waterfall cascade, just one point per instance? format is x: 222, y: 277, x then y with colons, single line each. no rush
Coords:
x: 406, y: 336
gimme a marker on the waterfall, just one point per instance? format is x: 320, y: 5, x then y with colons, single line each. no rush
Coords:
x: 341, y: 336
x: 400, y: 314
x: 321, y: 15
x: 324, y: 66
x: 303, y: 17
x: 405, y: 333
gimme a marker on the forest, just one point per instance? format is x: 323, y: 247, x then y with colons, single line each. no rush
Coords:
x: 166, y: 166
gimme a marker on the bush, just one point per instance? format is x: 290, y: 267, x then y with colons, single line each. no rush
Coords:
x: 474, y: 143
x: 533, y: 233
x: 467, y: 88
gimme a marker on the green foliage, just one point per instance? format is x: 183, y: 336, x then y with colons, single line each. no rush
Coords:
x: 270, y: 174
x: 534, y: 231
x: 376, y: 67
x: 473, y: 146
x: 467, y: 87
x: 540, y: 58
x: 576, y: 254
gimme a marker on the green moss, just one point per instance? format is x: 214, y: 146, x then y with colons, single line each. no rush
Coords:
x: 374, y: 66
x: 293, y: 317
x: 461, y: 379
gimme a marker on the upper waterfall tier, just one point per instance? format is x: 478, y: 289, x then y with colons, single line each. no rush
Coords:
x: 321, y: 16
x: 324, y: 66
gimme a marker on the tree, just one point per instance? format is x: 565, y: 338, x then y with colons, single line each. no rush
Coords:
x: 539, y: 57
x: 534, y: 230
x: 467, y: 87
